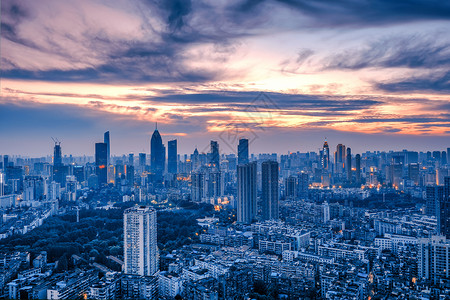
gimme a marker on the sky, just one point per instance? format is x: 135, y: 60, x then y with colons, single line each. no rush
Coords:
x: 286, y: 74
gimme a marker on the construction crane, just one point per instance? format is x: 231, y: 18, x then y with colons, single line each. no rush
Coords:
x: 57, y: 142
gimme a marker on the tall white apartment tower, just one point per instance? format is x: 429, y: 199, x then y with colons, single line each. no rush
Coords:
x: 140, y: 244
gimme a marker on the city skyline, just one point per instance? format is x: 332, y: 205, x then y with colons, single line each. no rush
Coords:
x: 363, y: 76
x: 224, y: 149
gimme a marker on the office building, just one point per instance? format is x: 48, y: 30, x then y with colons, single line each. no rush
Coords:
x: 214, y: 185
x: 339, y: 159
x: 303, y: 185
x: 107, y: 141
x: 291, y: 187
x: 443, y: 210
x: 71, y: 188
x: 215, y: 156
x: 325, y: 156
x: 158, y: 155
x: 413, y: 173
x: 270, y: 196
x: 140, y: 243
x: 131, y: 159
x: 142, y: 161
x: 58, y: 167
x: 358, y: 168
x: 348, y: 164
x: 198, y: 186
x: 172, y: 157
x: 434, y: 195
x: 246, y: 204
x: 243, y: 151
x: 101, y: 160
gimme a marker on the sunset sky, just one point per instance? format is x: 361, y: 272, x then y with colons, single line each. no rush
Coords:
x: 373, y: 75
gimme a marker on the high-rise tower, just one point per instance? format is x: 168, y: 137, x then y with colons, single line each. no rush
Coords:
x: 101, y: 160
x: 358, y: 168
x: 59, y: 173
x: 172, y: 157
x: 108, y: 149
x: 348, y: 164
x: 158, y: 155
x: 270, y: 195
x: 140, y: 241
x: 339, y: 159
x: 444, y: 210
x: 243, y: 151
x: 215, y: 156
x: 246, y: 204
x: 325, y: 159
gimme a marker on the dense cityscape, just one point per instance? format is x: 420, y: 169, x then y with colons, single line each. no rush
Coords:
x: 225, y: 149
x: 331, y: 224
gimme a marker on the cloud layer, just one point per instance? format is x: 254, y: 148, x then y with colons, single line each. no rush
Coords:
x: 198, y: 67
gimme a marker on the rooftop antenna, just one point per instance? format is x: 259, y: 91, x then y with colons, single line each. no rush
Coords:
x: 156, y: 125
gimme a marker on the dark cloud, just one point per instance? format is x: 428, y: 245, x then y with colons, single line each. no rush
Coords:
x: 425, y: 83
x: 275, y: 101
x: 158, y: 59
x: 356, y: 12
x: 414, y: 51
x: 13, y: 12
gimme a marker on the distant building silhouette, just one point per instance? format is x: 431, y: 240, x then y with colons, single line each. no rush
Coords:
x: 107, y: 141
x: 101, y: 160
x: 172, y: 157
x: 215, y: 156
x: 348, y: 164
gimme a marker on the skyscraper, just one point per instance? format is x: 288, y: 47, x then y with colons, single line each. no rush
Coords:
x: 448, y: 155
x: 140, y: 241
x: 243, y: 151
x: 215, y: 156
x: 358, y: 168
x: 142, y: 162
x: 348, y: 164
x: 444, y: 210
x: 291, y: 186
x: 5, y: 161
x: 59, y: 174
x: 303, y: 185
x: 215, y: 185
x: 270, y: 195
x: 197, y: 186
x: 57, y: 154
x: 339, y: 159
x: 172, y: 155
x: 246, y: 204
x: 414, y: 173
x: 101, y: 160
x: 325, y: 159
x: 434, y: 195
x: 195, y: 160
x: 108, y: 149
x: 158, y: 155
